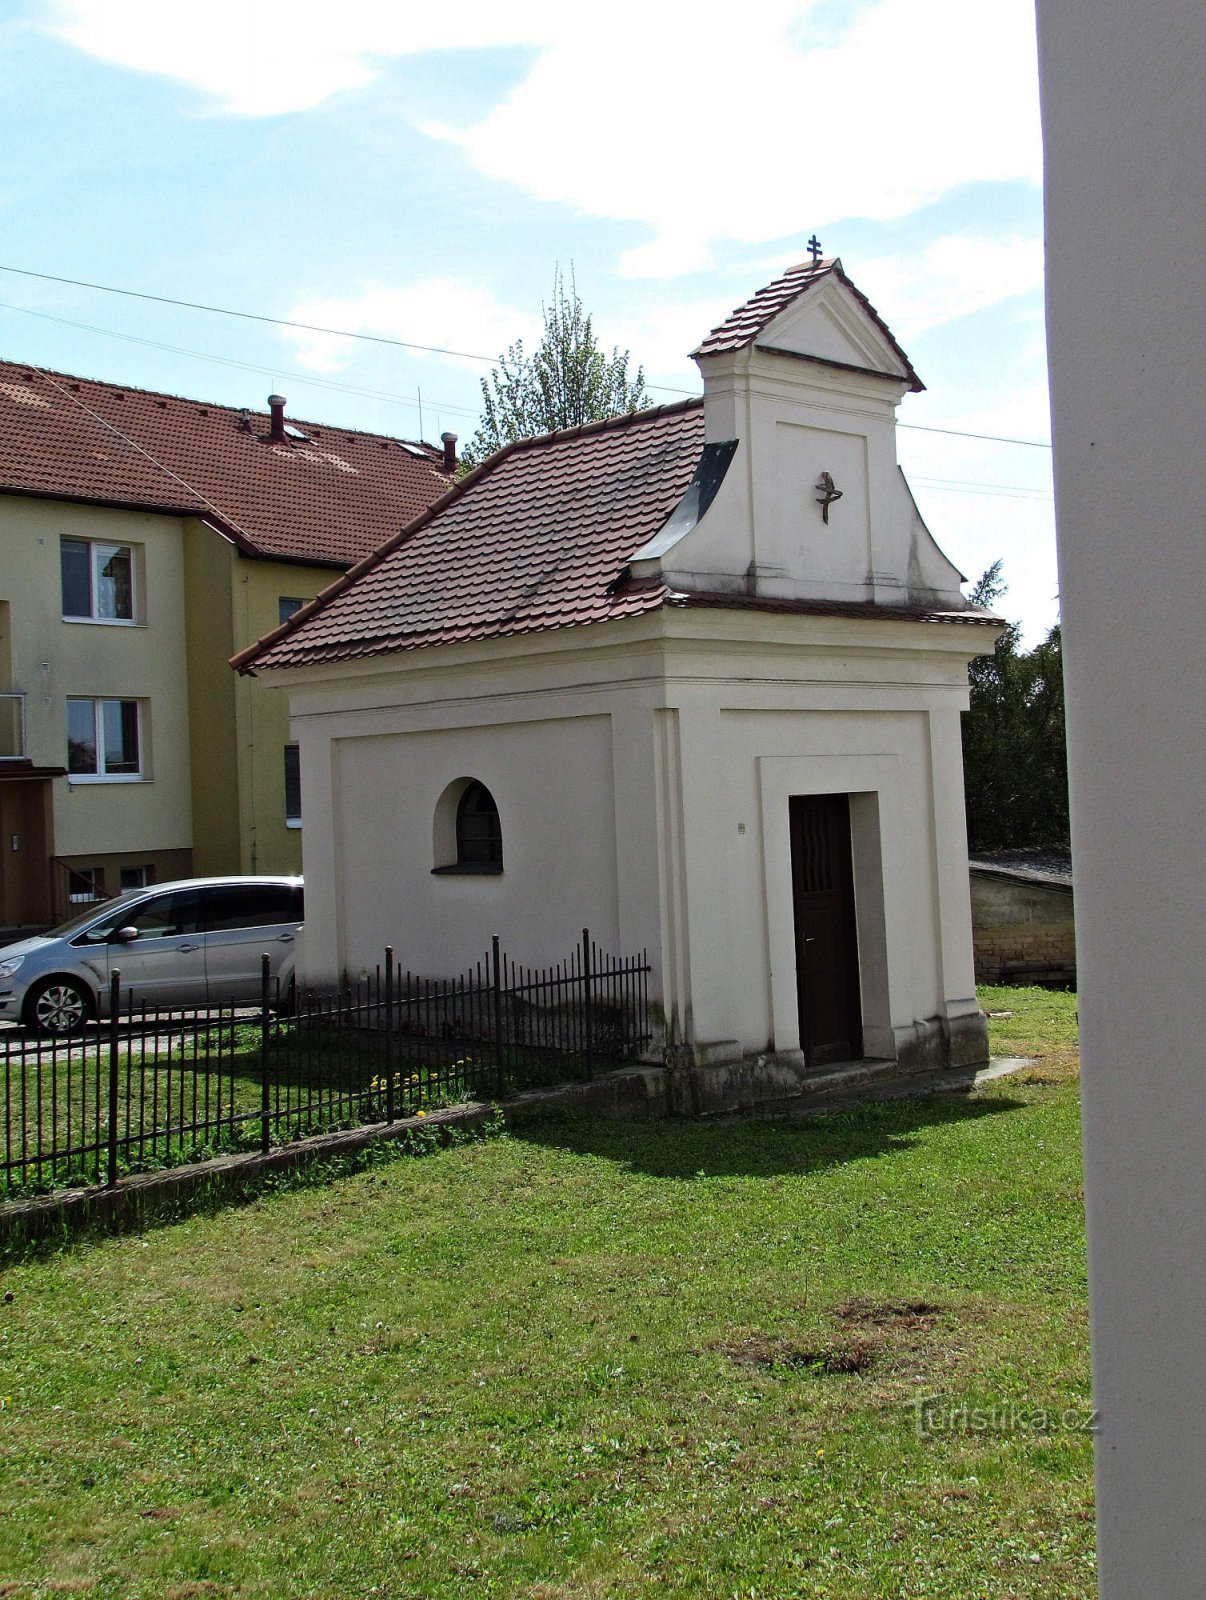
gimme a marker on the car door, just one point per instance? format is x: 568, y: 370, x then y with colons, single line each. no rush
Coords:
x: 240, y: 921
x: 164, y: 964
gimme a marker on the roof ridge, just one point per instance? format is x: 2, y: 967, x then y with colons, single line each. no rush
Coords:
x: 580, y: 430
x: 211, y: 405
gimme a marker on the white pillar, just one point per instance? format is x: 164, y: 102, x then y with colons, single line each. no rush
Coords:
x: 1124, y: 121
x: 321, y: 955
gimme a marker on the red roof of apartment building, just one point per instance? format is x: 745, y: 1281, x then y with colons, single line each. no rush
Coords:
x: 324, y: 495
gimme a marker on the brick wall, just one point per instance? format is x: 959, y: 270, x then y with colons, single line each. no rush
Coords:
x: 1021, y: 925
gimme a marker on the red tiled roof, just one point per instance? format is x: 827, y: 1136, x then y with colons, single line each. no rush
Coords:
x: 538, y: 537
x: 743, y: 325
x: 330, y: 499
x: 534, y: 538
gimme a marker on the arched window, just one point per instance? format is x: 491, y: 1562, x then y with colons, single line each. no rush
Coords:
x: 478, y: 831
x: 466, y: 833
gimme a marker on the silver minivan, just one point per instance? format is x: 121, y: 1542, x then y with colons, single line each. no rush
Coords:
x: 193, y: 943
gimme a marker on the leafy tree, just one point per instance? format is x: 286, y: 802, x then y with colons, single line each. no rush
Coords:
x: 566, y: 381
x: 1015, y: 764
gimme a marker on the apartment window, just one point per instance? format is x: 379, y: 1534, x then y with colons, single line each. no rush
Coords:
x: 103, y: 740
x: 136, y: 877
x: 286, y: 606
x: 97, y: 580
x: 85, y: 884
x: 292, y: 787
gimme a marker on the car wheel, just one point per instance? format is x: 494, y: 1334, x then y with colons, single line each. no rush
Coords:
x: 59, y: 1006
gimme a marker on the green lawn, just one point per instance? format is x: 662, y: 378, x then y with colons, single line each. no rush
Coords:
x: 589, y: 1359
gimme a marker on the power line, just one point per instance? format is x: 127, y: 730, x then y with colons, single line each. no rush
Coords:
x: 407, y: 344
x: 979, y: 483
x: 250, y: 316
x: 73, y: 399
x: 1032, y: 496
x: 273, y: 372
x: 959, y: 433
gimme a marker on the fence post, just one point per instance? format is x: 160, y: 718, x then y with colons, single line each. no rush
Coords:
x: 498, y: 1023
x: 265, y: 1101
x: 114, y: 1027
x: 589, y: 1004
x: 389, y: 1033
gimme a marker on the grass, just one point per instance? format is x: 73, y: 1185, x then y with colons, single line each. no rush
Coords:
x: 590, y: 1359
x: 1034, y: 1022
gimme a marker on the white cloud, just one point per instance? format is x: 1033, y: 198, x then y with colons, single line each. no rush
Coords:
x: 950, y: 278
x: 738, y: 135
x: 444, y: 312
x: 265, y: 60
x: 652, y: 116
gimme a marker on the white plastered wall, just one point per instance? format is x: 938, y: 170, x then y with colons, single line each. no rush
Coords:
x: 642, y: 791
x: 740, y: 764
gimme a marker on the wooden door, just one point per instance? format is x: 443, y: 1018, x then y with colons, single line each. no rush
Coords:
x: 24, y: 851
x: 822, y: 876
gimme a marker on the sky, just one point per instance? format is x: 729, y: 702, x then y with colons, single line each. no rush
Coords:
x: 419, y: 173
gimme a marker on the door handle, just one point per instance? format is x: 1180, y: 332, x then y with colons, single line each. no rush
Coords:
x: 284, y: 938
x: 188, y: 947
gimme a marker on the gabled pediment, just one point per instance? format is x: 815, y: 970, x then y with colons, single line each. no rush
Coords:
x: 830, y: 323
x: 815, y: 312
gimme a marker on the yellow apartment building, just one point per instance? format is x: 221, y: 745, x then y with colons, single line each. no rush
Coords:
x: 144, y: 540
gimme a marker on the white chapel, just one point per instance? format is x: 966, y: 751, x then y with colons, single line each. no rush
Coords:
x: 690, y: 678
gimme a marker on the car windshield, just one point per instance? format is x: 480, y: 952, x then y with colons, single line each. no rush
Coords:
x: 74, y: 924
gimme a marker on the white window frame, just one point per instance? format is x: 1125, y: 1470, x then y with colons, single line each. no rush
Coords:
x: 101, y: 776
x: 95, y: 546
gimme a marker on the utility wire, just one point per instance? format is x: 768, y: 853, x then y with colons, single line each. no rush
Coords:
x: 406, y: 344
x: 960, y: 433
x: 229, y: 361
x: 251, y: 316
x: 74, y: 399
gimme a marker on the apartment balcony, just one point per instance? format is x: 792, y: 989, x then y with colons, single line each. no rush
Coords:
x: 12, y: 727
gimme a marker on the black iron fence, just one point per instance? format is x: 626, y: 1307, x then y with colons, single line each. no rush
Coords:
x: 149, y: 1088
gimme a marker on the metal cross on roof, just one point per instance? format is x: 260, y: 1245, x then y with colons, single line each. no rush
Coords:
x: 814, y: 249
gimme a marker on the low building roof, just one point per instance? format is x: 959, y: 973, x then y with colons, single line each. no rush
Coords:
x: 1049, y: 865
x: 329, y: 497
x: 540, y: 536
x: 534, y: 538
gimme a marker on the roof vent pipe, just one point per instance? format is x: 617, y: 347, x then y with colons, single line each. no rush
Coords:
x: 276, y: 405
x: 448, y: 440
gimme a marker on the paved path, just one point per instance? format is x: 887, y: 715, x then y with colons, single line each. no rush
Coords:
x: 956, y: 1080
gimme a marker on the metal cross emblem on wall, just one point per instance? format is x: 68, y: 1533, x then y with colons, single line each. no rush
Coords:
x: 827, y: 495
